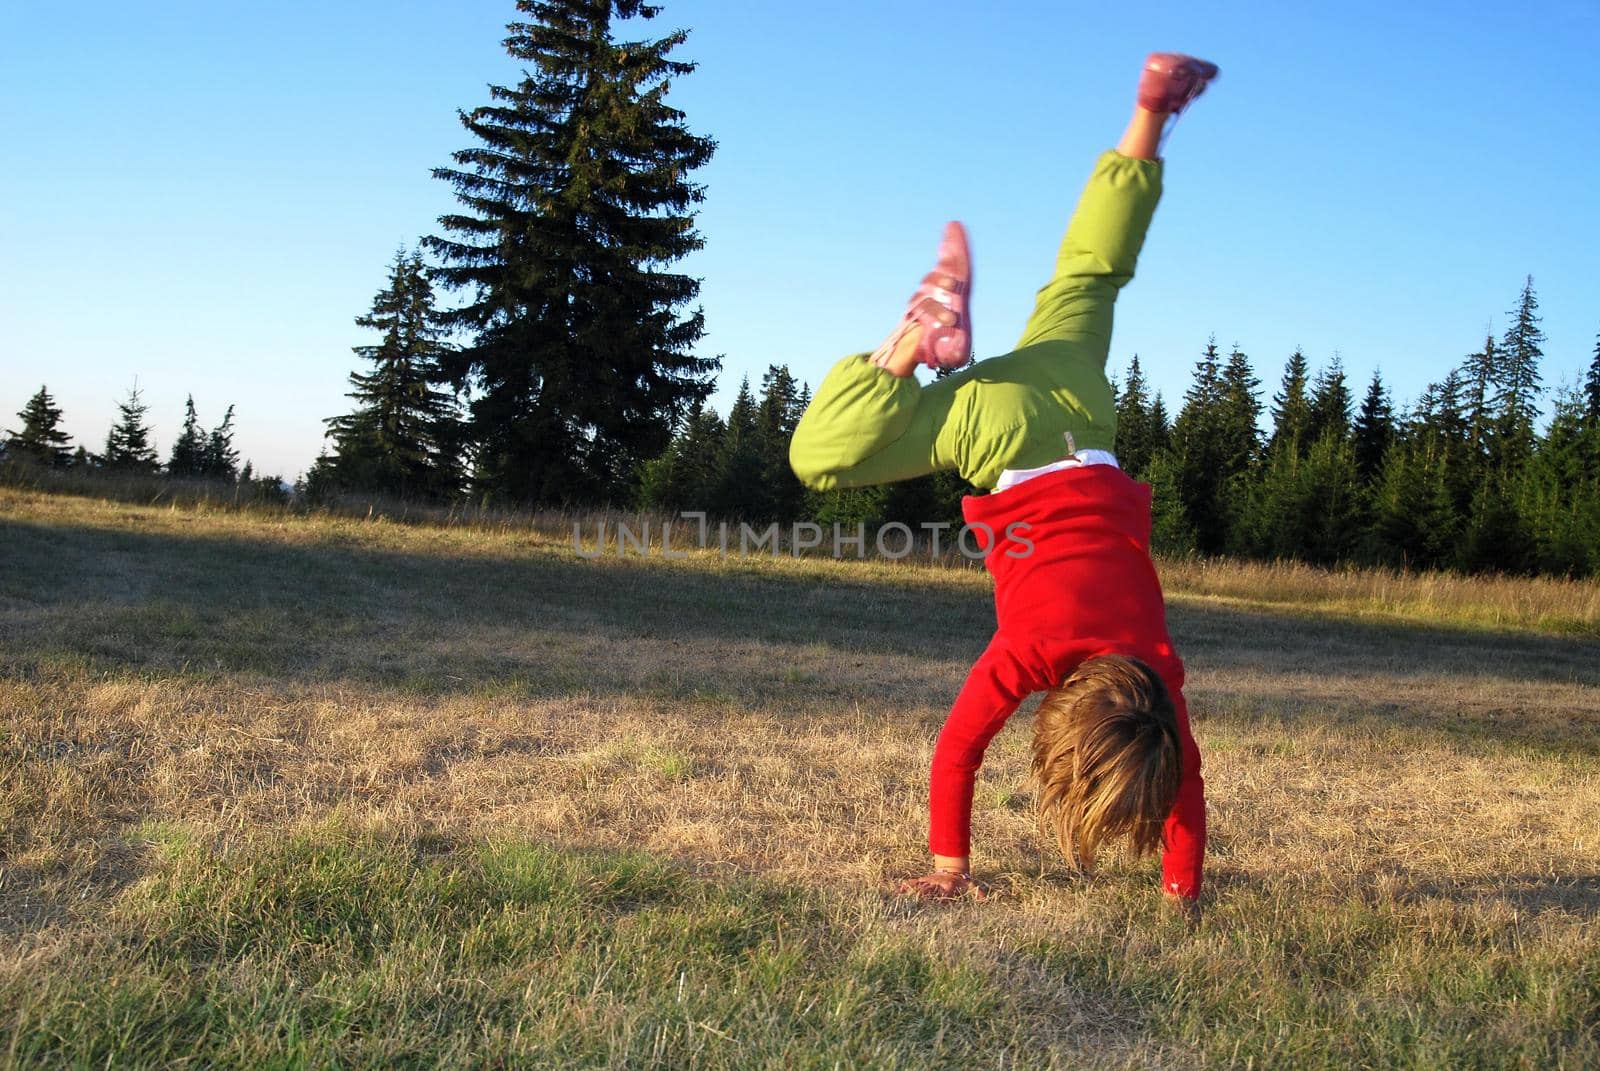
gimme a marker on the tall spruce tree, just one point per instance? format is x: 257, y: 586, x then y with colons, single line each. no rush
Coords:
x: 1241, y: 412
x: 1309, y: 508
x: 1520, y: 352
x: 1497, y: 537
x: 1560, y: 493
x: 1137, y: 436
x: 577, y: 198
x: 685, y: 476
x: 1240, y: 432
x: 1424, y: 490
x: 188, y: 457
x: 1330, y: 402
x: 1291, y: 409
x: 1160, y: 424
x: 740, y: 489
x: 1311, y: 503
x: 1443, y: 429
x: 1402, y: 525
x: 1480, y: 372
x: 402, y: 438
x: 1171, y: 531
x: 220, y: 460
x: 777, y: 414
x: 1337, y: 501
x: 1374, y: 430
x: 40, y: 439
x: 128, y: 445
x: 1199, y: 453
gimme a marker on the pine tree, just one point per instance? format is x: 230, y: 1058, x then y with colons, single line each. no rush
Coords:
x: 1204, y: 395
x: 1330, y: 402
x: 1171, y: 531
x: 684, y: 477
x: 700, y: 458
x: 1240, y: 437
x: 1497, y: 537
x: 1312, y: 507
x: 188, y: 457
x: 1374, y: 430
x: 1274, y: 518
x: 1306, y: 508
x: 1444, y: 429
x: 1199, y: 454
x: 578, y: 198
x: 1398, y: 505
x: 220, y: 461
x: 740, y: 490
x: 1424, y: 490
x: 1335, y: 501
x: 1518, y: 360
x: 1270, y: 522
x: 1291, y: 409
x: 128, y: 445
x: 1160, y: 425
x: 403, y: 436
x: 1480, y: 373
x: 1560, y: 494
x: 777, y: 414
x: 1240, y: 413
x: 779, y: 409
x: 40, y: 439
x: 1137, y: 436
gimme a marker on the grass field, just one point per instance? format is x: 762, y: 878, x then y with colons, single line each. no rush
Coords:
x: 282, y: 791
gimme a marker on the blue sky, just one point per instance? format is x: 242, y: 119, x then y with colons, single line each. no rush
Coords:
x: 203, y: 196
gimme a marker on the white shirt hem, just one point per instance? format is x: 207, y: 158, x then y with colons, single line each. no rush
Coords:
x: 1012, y: 477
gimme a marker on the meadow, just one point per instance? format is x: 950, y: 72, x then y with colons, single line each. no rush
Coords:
x: 304, y: 791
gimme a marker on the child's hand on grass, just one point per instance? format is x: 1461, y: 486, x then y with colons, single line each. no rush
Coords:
x: 942, y: 885
x: 1185, y: 907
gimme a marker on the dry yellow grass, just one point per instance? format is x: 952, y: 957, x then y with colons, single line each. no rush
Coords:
x: 1541, y: 603
x: 1396, y: 806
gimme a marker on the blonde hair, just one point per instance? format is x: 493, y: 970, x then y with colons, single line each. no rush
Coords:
x: 1107, y: 758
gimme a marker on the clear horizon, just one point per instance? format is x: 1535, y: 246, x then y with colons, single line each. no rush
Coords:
x: 205, y: 203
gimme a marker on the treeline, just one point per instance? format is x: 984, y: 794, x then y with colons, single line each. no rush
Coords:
x: 40, y: 442
x: 738, y: 469
x: 1459, y: 480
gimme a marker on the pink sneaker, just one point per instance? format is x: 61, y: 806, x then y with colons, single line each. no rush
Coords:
x: 940, y: 305
x: 1171, y: 81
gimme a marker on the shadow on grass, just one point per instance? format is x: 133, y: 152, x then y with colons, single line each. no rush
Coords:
x: 1529, y: 893
x: 549, y: 624
x: 1575, y: 893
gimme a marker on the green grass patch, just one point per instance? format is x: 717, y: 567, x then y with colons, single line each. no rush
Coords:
x: 357, y: 949
x: 354, y: 950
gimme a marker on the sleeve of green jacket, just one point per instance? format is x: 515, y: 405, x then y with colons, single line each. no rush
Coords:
x: 867, y: 426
